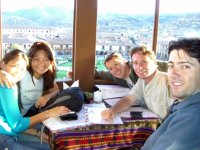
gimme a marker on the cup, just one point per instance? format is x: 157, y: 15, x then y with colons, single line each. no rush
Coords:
x: 98, y: 96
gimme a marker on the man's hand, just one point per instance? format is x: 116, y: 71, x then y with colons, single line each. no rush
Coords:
x: 69, y: 74
x: 108, y: 114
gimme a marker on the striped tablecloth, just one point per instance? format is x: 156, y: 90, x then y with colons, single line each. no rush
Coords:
x: 133, y: 133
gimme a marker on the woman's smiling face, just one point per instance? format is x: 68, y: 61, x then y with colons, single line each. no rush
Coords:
x: 40, y: 63
x: 15, y: 67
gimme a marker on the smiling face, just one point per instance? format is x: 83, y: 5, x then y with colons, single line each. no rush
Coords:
x: 15, y: 67
x: 143, y: 65
x: 183, y: 74
x: 40, y: 63
x: 118, y: 68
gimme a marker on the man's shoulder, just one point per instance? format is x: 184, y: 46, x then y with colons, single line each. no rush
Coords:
x: 160, y: 78
x: 161, y: 74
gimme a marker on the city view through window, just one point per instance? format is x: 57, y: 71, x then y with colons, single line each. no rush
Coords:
x: 121, y: 24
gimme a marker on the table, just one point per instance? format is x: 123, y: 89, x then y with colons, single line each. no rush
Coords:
x: 133, y: 133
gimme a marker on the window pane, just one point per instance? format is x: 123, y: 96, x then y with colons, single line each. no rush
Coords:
x: 121, y: 25
x: 178, y: 18
x: 25, y: 22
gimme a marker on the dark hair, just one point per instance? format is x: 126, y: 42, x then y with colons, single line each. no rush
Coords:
x: 144, y: 51
x: 111, y: 55
x: 50, y: 75
x: 14, y: 54
x: 190, y: 45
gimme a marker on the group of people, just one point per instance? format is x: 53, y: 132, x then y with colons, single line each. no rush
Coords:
x: 121, y: 71
x: 36, y: 71
x: 150, y: 80
x: 173, y: 95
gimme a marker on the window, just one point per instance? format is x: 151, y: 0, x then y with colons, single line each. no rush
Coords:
x: 24, y: 22
x: 123, y: 24
x: 178, y: 19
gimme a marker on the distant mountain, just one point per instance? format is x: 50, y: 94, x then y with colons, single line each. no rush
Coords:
x: 60, y: 17
x: 38, y: 17
x: 134, y: 20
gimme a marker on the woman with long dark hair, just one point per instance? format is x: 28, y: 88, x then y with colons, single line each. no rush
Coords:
x: 12, y: 123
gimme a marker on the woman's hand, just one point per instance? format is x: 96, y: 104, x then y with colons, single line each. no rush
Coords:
x: 41, y: 102
x: 6, y: 79
x: 50, y: 93
x: 58, y: 111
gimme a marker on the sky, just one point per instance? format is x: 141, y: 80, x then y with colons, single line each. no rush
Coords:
x: 104, y: 6
x: 13, y: 5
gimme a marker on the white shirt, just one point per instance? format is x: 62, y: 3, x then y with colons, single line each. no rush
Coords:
x: 30, y: 89
x: 156, y: 93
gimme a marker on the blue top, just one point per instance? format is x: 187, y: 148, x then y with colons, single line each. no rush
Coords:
x: 11, y: 120
x: 180, y: 130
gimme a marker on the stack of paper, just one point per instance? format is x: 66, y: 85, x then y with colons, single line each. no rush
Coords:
x: 55, y: 124
x: 113, y: 91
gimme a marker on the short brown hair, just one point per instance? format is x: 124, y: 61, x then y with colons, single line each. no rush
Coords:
x: 144, y: 51
x: 111, y: 55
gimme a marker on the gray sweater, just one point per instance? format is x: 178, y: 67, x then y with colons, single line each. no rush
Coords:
x: 180, y: 130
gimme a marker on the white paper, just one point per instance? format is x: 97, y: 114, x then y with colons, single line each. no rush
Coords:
x: 94, y: 116
x: 112, y: 101
x: 75, y: 84
x: 113, y: 91
x: 65, y: 86
x: 56, y: 124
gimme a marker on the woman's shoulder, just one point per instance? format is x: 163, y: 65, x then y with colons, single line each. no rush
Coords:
x: 4, y: 90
